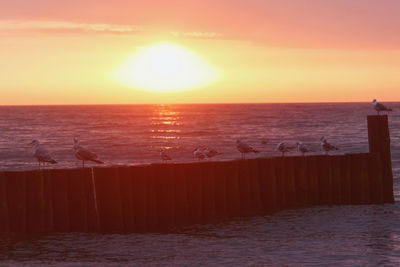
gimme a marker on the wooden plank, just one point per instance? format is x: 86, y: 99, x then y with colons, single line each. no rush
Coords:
x: 35, y: 201
x: 92, y: 212
x: 268, y: 184
x: 77, y: 200
x: 255, y: 193
x: 125, y: 181
x: 232, y: 189
x: 280, y: 183
x: 108, y: 199
x: 4, y: 216
x: 195, y: 195
x: 301, y: 183
x: 290, y: 172
x: 244, y: 188
x: 336, y: 176
x: 139, y: 196
x: 312, y: 180
x: 356, y: 179
x: 375, y: 178
x: 60, y: 200
x: 221, y: 190
x: 163, y: 175
x: 345, y: 184
x: 324, y: 179
x: 181, y: 204
x: 208, y: 192
x: 379, y: 142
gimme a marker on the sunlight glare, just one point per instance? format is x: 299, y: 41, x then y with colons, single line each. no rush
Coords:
x: 165, y: 67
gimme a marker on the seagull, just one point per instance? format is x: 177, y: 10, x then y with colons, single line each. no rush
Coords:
x: 164, y: 155
x: 380, y: 107
x: 244, y: 148
x: 210, y: 153
x: 302, y: 148
x: 41, y: 154
x: 199, y: 154
x: 327, y: 146
x: 282, y: 147
x: 83, y: 154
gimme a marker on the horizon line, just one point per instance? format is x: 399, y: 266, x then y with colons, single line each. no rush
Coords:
x: 193, y: 103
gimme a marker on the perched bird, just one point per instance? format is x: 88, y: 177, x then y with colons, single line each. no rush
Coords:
x: 283, y: 148
x: 380, y: 107
x: 199, y: 154
x: 244, y: 148
x: 302, y: 148
x: 327, y: 146
x: 41, y: 154
x: 210, y: 153
x: 164, y: 155
x: 83, y: 154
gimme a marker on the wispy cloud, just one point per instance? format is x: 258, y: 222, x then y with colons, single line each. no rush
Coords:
x: 96, y: 28
x: 62, y: 26
x: 197, y: 35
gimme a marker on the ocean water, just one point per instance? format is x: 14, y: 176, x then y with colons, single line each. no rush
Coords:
x: 134, y: 134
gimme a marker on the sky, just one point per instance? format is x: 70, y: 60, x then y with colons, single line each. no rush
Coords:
x: 67, y: 52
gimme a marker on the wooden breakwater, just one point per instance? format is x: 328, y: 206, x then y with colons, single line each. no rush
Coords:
x: 159, y: 197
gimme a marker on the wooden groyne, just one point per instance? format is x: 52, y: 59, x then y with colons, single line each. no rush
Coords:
x: 160, y: 197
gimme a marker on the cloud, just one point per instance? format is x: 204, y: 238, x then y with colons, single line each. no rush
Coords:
x: 341, y: 24
x: 64, y: 26
x: 61, y: 27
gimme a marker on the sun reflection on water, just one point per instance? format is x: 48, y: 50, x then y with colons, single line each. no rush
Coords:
x: 165, y: 126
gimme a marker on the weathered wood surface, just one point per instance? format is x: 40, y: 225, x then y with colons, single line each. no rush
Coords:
x: 159, y: 197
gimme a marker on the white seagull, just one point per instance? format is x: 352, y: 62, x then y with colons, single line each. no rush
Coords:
x: 164, y: 155
x: 83, y: 154
x: 41, y: 154
x: 302, y: 148
x: 210, y: 153
x: 244, y: 148
x: 380, y: 107
x: 199, y: 154
x: 283, y: 148
x: 327, y: 146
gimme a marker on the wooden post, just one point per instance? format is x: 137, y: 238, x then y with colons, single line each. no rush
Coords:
x: 379, y: 142
x: 375, y: 178
x: 313, y: 163
x: 125, y: 181
x: 208, y: 176
x: 232, y: 189
x: 280, y: 183
x: 77, y: 201
x: 35, y: 202
x: 301, y: 183
x: 194, y: 191
x: 139, y: 176
x: 336, y: 175
x: 244, y: 188
x: 268, y: 184
x: 221, y: 184
x: 290, y: 174
x: 180, y: 198
x: 108, y: 199
x: 4, y: 218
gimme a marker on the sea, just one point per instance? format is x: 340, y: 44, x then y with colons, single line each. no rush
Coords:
x: 365, y: 235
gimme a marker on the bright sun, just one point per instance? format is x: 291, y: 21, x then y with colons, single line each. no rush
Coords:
x: 165, y: 67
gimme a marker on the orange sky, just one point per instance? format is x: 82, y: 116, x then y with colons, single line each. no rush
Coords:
x: 65, y: 52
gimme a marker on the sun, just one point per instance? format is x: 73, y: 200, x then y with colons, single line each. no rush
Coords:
x: 165, y: 67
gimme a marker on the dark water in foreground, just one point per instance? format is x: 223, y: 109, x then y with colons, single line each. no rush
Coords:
x: 318, y: 236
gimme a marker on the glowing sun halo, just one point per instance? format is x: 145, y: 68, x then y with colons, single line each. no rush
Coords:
x: 165, y: 67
